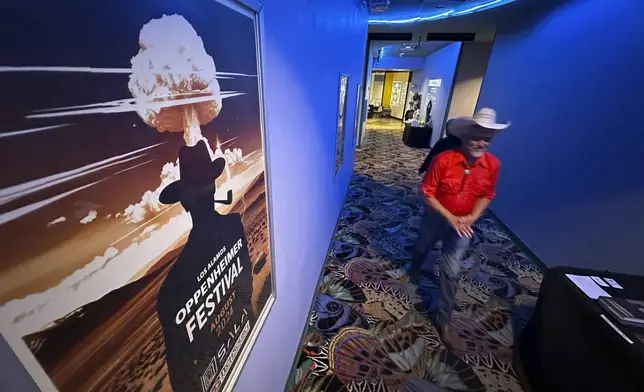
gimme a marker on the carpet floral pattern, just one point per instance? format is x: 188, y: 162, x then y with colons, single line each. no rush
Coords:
x: 370, y: 328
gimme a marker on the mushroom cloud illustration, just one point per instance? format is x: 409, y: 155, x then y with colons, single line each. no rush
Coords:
x: 175, y: 74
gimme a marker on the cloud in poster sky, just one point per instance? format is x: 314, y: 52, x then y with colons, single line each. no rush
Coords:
x: 117, y: 106
x: 233, y: 156
x: 56, y: 221
x: 127, y: 105
x: 31, y: 130
x: 127, y: 169
x: 220, y: 75
x: 18, y: 212
x: 150, y: 204
x: 26, y: 188
x: 89, y: 217
x: 21, y: 190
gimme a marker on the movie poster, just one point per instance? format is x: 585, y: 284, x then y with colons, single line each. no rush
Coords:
x: 133, y: 203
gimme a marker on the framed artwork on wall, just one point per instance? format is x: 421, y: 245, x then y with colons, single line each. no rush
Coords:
x: 357, y: 117
x: 138, y: 236
x: 396, y: 92
x: 340, y: 131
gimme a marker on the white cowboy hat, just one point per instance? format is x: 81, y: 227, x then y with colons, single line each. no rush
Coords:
x: 484, y: 118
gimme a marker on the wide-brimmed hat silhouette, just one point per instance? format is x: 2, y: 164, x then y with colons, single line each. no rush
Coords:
x: 485, y: 119
x: 197, y: 175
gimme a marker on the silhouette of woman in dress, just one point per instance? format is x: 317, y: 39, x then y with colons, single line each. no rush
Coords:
x: 204, y: 302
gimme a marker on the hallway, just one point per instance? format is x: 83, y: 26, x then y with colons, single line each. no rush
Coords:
x: 370, y: 324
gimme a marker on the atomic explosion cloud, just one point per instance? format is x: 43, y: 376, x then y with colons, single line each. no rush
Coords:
x: 172, y: 64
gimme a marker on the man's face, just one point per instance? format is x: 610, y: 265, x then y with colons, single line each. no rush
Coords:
x: 478, y: 142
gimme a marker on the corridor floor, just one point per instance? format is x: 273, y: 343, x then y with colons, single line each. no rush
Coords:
x: 369, y: 329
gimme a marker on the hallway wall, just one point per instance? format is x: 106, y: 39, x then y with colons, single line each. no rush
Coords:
x: 472, y: 64
x: 571, y: 184
x: 13, y: 375
x: 306, y: 45
x: 416, y: 85
x: 438, y: 65
x: 377, y: 86
x: 397, y: 62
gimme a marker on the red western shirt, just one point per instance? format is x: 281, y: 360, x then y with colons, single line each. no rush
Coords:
x: 447, y: 182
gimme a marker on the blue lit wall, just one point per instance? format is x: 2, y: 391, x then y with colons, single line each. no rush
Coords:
x: 572, y: 184
x: 415, y: 14
x: 403, y: 63
x: 306, y: 47
x: 439, y: 65
x: 13, y: 376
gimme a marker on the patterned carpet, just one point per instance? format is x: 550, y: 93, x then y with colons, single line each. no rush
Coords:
x: 369, y: 330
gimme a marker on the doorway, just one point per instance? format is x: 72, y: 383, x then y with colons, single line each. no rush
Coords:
x: 388, y: 98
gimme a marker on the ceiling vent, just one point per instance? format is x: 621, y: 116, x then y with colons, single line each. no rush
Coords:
x: 378, y: 5
x: 444, y: 3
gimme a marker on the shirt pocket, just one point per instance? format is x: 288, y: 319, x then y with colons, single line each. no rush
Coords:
x: 480, y: 186
x: 450, y: 186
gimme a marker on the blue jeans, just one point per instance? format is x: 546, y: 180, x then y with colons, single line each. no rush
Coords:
x: 432, y: 228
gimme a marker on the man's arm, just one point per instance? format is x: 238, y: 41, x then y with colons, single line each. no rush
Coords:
x: 479, y: 208
x: 430, y: 185
x: 463, y: 229
x: 438, y: 207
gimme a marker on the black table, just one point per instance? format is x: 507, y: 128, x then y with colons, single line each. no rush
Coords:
x: 417, y: 137
x: 568, y: 346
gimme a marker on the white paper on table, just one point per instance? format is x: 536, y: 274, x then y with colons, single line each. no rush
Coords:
x: 613, y: 283
x: 599, y: 281
x: 588, y: 286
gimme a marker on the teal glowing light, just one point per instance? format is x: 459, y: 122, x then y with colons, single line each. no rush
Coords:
x: 443, y: 14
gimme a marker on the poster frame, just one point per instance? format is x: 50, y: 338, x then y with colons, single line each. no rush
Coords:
x: 27, y: 359
x: 342, y: 106
x: 254, y: 9
x: 357, y: 117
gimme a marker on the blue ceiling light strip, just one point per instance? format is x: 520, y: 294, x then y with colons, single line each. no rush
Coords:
x: 412, y: 20
x: 442, y: 15
x: 478, y: 7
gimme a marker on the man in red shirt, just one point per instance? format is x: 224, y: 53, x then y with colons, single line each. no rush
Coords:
x: 457, y: 189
